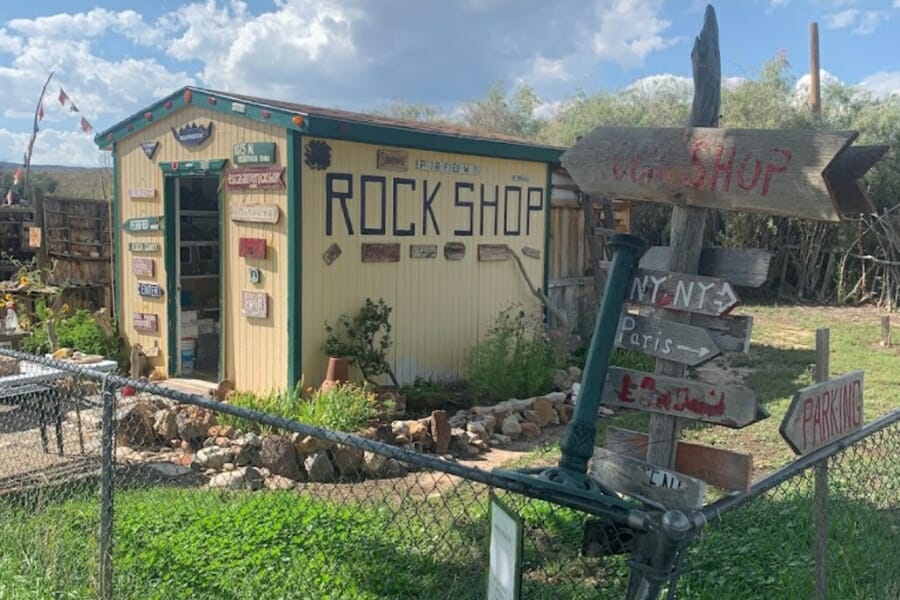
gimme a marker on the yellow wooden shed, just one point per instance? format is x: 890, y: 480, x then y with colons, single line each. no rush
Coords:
x: 242, y: 225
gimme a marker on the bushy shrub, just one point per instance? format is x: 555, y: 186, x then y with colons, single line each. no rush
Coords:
x: 515, y: 358
x: 78, y: 330
x: 348, y: 407
x: 363, y: 339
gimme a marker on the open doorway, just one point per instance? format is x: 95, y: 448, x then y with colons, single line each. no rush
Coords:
x: 199, y: 283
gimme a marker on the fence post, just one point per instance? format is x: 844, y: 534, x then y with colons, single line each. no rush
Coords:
x: 886, y: 331
x: 660, y: 550
x: 820, y: 498
x: 107, y: 465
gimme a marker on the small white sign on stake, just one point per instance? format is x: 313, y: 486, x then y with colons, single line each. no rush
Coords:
x: 505, y: 567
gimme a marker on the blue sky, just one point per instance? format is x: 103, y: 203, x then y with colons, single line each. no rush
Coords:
x: 113, y: 59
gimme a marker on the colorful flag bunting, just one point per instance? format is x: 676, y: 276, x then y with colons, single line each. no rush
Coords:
x: 9, y: 196
x: 63, y: 97
x: 85, y: 126
x: 40, y: 111
x: 17, y: 176
x: 73, y: 108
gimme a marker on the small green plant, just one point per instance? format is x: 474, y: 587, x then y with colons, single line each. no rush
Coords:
x: 515, y: 358
x: 364, y: 340
x: 348, y: 407
x: 78, y: 330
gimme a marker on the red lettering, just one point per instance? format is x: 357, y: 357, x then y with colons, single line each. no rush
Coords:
x: 817, y: 419
x: 856, y: 401
x: 619, y: 170
x: 625, y: 391
x: 646, y: 172
x: 835, y: 428
x: 773, y: 168
x: 757, y: 168
x: 807, y: 418
x: 698, y: 181
x: 725, y: 169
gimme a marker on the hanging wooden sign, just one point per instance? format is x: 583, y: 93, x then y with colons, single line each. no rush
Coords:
x: 34, y: 236
x: 493, y: 252
x: 454, y: 250
x: 673, y: 341
x: 254, y: 304
x: 146, y: 322
x: 255, y: 213
x: 776, y: 172
x: 149, y: 290
x: 389, y: 252
x: 142, y: 224
x: 254, y: 153
x: 192, y: 134
x: 728, y: 405
x: 392, y: 160
x: 748, y: 267
x: 252, y: 248
x: 142, y: 266
x: 266, y: 178
x: 142, y: 193
x: 149, y: 148
x: 143, y: 246
x: 824, y: 412
x: 657, y: 486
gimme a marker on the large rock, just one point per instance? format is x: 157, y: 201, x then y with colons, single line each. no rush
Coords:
x: 417, y: 430
x: 511, y: 426
x: 134, y: 426
x: 318, y: 467
x: 245, y: 455
x: 478, y: 429
x: 194, y: 422
x: 253, y: 479
x: 543, y: 408
x: 278, y: 454
x: 440, y: 431
x: 164, y: 424
x: 530, y: 430
x: 230, y: 480
x: 213, y: 457
x: 347, y: 460
x: 307, y: 444
x: 374, y: 465
x: 277, y: 482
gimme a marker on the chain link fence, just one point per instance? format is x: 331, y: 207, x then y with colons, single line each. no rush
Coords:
x: 167, y: 495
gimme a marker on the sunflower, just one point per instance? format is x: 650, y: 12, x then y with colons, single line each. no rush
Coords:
x: 65, y: 309
x: 23, y: 280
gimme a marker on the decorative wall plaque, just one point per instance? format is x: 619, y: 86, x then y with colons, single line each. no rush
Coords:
x: 146, y: 322
x: 254, y: 304
x: 141, y: 224
x: 267, y: 178
x: 142, y: 266
x: 143, y: 246
x: 423, y: 251
x: 34, y: 236
x: 149, y: 290
x: 492, y: 252
x: 254, y: 275
x: 252, y: 247
x: 142, y: 193
x: 331, y: 254
x: 531, y: 252
x: 393, y: 160
x: 389, y: 252
x: 193, y: 134
x: 454, y: 250
x: 255, y: 213
x: 254, y: 153
x: 149, y: 148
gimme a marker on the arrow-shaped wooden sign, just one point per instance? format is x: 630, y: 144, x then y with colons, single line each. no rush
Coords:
x: 824, y: 412
x: 657, y: 486
x: 729, y: 405
x: 680, y: 291
x: 748, y: 267
x: 771, y: 171
x: 673, y: 341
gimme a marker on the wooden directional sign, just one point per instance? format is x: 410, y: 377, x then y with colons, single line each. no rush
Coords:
x: 729, y: 405
x: 682, y: 292
x: 748, y: 267
x: 769, y: 171
x: 673, y: 341
x: 824, y: 412
x: 657, y: 486
x: 716, y: 466
x: 730, y: 333
x: 143, y: 246
x: 255, y: 213
x: 149, y: 290
x: 141, y: 224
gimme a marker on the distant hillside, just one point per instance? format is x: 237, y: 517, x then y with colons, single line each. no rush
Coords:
x: 71, y: 182
x: 11, y: 166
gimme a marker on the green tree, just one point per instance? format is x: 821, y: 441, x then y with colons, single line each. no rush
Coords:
x: 497, y: 114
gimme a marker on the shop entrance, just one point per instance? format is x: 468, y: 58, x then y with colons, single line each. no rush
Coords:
x: 199, y: 289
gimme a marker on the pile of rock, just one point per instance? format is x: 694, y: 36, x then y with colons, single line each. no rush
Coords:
x: 191, y: 437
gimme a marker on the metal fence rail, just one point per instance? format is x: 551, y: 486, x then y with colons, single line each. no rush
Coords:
x: 160, y: 494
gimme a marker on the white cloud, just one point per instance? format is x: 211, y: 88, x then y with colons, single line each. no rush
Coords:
x: 94, y: 23
x: 52, y: 147
x: 629, y: 30
x: 860, y: 22
x: 547, y: 110
x: 9, y: 43
x: 664, y: 82
x: 882, y: 84
x: 543, y: 68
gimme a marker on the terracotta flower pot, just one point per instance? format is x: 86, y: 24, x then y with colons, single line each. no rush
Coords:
x: 338, y: 372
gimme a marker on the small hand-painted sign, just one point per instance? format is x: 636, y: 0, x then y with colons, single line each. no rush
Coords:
x: 254, y: 304
x: 149, y: 290
x: 254, y: 275
x: 331, y: 254
x: 493, y: 252
x: 142, y: 266
x: 255, y: 213
x: 423, y: 251
x: 392, y: 160
x: 531, y: 252
x: 389, y: 252
x: 824, y: 412
x: 454, y: 250
x: 657, y: 486
x: 143, y: 246
x: 666, y: 339
x: 504, y: 580
x: 140, y: 224
x: 146, y: 322
x: 267, y: 178
x: 254, y: 153
x: 193, y: 134
x: 729, y: 405
x: 34, y: 236
x: 149, y: 148
x: 252, y: 247
x: 681, y: 292
x: 142, y: 193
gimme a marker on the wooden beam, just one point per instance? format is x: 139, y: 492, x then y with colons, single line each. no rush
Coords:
x: 659, y: 487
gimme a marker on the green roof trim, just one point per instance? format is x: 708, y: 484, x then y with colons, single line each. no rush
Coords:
x: 188, y: 168
x: 294, y: 259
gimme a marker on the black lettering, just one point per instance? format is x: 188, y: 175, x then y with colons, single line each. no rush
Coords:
x: 486, y: 204
x: 532, y: 207
x: 364, y: 182
x: 457, y: 201
x: 427, y: 210
x: 331, y: 194
x: 412, y: 226
x: 506, y: 193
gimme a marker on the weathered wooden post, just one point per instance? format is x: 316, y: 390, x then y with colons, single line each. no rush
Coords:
x: 886, y: 331
x: 820, y: 498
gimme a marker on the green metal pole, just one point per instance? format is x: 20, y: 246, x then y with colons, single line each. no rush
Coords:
x: 578, y: 442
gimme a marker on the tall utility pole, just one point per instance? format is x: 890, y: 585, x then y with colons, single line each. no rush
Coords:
x: 815, y: 97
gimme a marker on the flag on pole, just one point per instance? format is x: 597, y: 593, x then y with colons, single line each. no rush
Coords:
x: 85, y: 126
x: 9, y: 196
x: 40, y: 111
x: 17, y: 176
x: 73, y: 108
x: 63, y: 97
